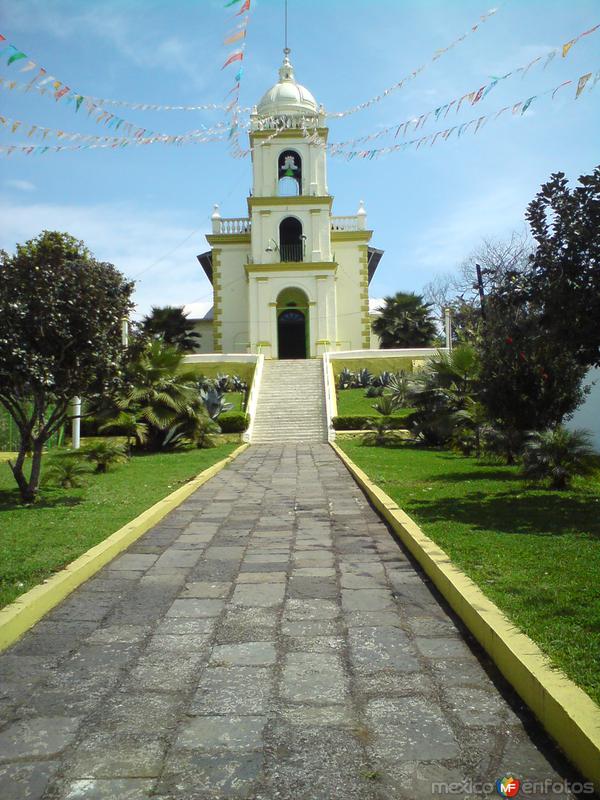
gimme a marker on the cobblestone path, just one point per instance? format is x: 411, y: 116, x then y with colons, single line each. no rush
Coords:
x: 267, y: 640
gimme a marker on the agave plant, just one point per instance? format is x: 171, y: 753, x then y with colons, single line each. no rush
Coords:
x: 383, y: 379
x: 214, y: 402
x: 364, y: 378
x: 66, y: 471
x: 222, y: 383
x: 104, y: 454
x: 238, y: 385
x: 345, y: 379
x: 558, y: 455
x: 398, y: 385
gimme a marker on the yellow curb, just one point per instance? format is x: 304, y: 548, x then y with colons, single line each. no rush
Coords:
x: 28, y: 609
x: 568, y: 714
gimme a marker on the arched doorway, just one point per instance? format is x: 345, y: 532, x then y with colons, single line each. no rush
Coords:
x: 291, y: 241
x: 292, y: 324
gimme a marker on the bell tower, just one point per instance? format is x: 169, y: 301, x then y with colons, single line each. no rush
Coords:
x: 290, y: 280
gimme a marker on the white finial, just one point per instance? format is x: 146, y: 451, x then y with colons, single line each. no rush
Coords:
x: 361, y: 215
x: 216, y: 219
x: 286, y: 70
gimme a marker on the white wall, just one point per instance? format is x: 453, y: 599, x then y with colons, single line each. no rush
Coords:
x: 587, y: 415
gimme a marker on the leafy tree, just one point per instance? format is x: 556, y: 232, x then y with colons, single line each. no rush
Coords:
x: 60, y: 337
x: 405, y: 320
x: 170, y: 324
x: 528, y: 380
x: 565, y: 268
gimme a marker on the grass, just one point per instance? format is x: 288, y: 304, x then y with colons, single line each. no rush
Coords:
x: 352, y: 402
x: 533, y: 551
x: 236, y: 398
x: 37, y: 541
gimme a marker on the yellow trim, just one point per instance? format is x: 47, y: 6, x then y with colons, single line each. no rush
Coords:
x: 293, y: 266
x: 333, y: 395
x: 217, y: 299
x: 568, y: 714
x: 298, y: 200
x: 21, y: 615
x: 287, y: 133
x: 351, y: 236
x: 364, y: 296
x: 228, y: 238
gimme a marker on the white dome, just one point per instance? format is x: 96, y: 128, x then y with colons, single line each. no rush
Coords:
x: 287, y: 96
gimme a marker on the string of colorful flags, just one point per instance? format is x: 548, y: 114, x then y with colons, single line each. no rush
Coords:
x: 517, y: 109
x: 39, y: 131
x: 238, y: 34
x: 413, y: 74
x: 472, y: 97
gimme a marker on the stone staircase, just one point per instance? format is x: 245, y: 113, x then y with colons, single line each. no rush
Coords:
x: 291, y: 403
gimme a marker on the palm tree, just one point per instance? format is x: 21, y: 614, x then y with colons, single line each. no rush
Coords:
x: 161, y: 395
x: 170, y: 324
x: 405, y: 321
x: 558, y: 454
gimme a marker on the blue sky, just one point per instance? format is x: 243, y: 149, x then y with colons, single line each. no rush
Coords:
x: 428, y: 208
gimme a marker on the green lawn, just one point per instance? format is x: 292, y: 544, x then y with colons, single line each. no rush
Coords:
x: 236, y: 398
x: 352, y: 402
x: 534, y: 552
x: 37, y: 541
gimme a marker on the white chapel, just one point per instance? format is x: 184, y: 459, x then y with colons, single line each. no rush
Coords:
x: 290, y: 280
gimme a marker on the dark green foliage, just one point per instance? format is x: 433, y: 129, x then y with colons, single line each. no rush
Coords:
x: 357, y: 422
x: 529, y: 379
x: 170, y: 324
x: 104, y: 454
x: 345, y: 379
x: 374, y: 391
x: 405, y: 321
x: 66, y: 471
x: 380, y: 433
x: 383, y: 379
x: 233, y: 422
x: 398, y: 386
x: 558, y: 455
x: 564, y: 274
x: 60, y: 337
x: 386, y: 405
x: 363, y: 378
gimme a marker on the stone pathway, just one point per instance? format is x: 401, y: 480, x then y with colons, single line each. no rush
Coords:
x: 267, y: 640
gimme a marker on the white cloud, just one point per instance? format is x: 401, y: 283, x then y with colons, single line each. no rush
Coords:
x: 21, y: 185
x: 132, y: 240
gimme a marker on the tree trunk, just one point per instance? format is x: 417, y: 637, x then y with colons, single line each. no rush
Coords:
x: 36, y: 468
x: 17, y: 470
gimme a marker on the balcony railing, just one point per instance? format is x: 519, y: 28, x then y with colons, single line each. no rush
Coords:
x: 344, y: 224
x: 291, y: 252
x: 234, y: 225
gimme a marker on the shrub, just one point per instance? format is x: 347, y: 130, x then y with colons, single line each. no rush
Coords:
x: 557, y: 455
x: 358, y: 422
x: 374, y: 391
x: 379, y: 433
x: 66, y: 471
x: 104, y: 454
x: 233, y: 421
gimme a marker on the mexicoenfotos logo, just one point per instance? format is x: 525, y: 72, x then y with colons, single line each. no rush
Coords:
x: 508, y: 786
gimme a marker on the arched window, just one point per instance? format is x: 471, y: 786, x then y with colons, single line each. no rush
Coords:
x: 291, y: 240
x: 289, y: 173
